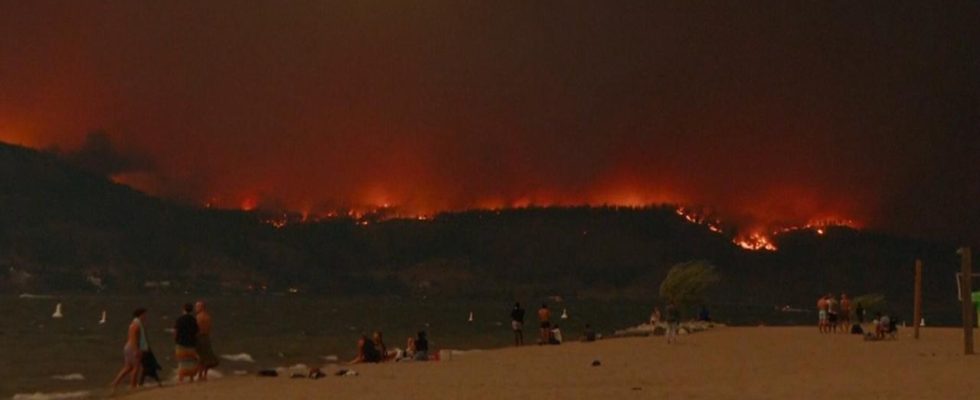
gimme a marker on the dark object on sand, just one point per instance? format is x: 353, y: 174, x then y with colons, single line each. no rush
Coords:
x: 596, y: 363
x: 315, y: 373
x: 268, y: 373
x: 346, y: 372
x: 856, y: 329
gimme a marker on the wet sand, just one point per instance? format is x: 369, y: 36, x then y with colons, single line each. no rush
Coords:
x: 724, y: 363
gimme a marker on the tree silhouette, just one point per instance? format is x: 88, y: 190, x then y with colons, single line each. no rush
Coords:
x: 686, y: 283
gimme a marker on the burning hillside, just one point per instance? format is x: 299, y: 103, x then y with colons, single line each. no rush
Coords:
x: 759, y: 239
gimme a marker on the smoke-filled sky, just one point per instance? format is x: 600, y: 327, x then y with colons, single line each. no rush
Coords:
x: 764, y: 112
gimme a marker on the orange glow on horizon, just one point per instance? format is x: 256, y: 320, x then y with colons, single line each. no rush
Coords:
x: 249, y: 204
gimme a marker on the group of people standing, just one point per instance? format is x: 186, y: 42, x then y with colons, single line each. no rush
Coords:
x: 193, y: 352
x: 834, y: 315
x: 548, y: 333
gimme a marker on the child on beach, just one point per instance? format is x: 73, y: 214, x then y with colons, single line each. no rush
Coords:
x: 554, y: 337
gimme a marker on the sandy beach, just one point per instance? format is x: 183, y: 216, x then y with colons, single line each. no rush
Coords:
x: 724, y: 363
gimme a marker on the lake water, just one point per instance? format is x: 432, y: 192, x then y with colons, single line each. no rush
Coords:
x: 278, y: 330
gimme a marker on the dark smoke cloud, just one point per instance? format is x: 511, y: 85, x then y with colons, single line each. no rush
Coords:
x: 99, y: 155
x: 772, y: 112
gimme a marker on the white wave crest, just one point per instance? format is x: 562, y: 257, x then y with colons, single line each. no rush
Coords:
x: 69, y: 377
x: 35, y: 296
x: 81, y: 394
x: 240, y: 357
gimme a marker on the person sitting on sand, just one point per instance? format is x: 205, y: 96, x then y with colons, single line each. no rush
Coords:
x: 185, y: 340
x: 544, y: 317
x: 205, y: 353
x: 883, y: 327
x: 588, y: 334
x: 366, y: 352
x: 132, y: 353
x: 409, y: 352
x: 421, y: 347
x: 379, y: 345
x: 554, y: 336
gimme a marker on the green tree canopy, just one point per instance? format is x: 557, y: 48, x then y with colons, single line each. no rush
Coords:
x: 686, y: 283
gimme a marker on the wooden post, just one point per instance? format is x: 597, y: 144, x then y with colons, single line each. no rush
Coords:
x: 968, y: 310
x: 917, y: 314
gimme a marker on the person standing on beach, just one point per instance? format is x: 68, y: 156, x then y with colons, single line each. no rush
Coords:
x: 132, y: 351
x: 204, y: 351
x: 517, y: 324
x: 833, y: 309
x: 673, y: 322
x: 544, y: 317
x: 822, y: 313
x: 845, y: 312
x: 185, y: 339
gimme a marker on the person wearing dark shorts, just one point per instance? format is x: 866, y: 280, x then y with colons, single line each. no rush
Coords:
x: 833, y: 310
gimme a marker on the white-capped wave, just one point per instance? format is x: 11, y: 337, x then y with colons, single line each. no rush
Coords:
x: 240, y: 357
x: 81, y: 394
x: 35, y: 296
x: 69, y: 377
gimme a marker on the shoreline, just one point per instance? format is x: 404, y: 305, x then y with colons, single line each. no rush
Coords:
x: 732, y: 362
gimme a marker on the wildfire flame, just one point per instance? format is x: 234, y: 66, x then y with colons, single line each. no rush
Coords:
x: 756, y: 240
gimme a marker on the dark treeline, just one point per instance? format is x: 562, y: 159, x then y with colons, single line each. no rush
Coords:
x: 64, y: 229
